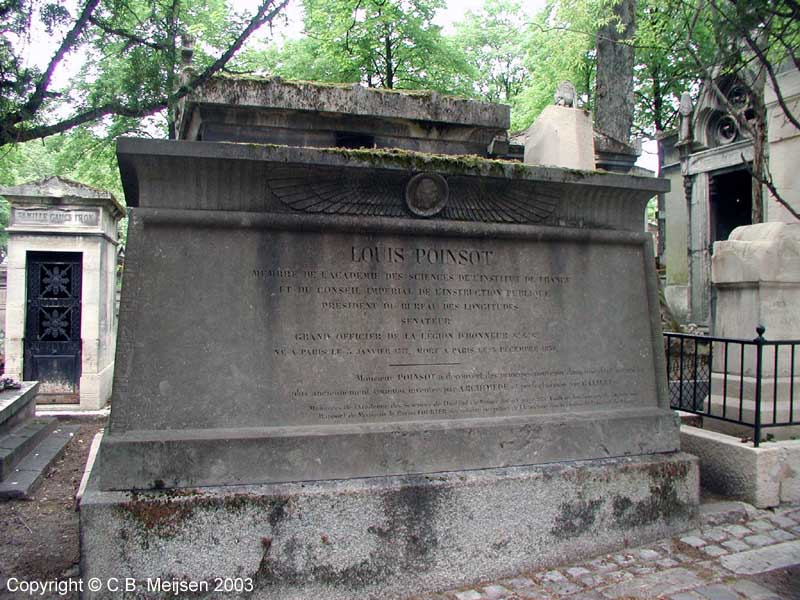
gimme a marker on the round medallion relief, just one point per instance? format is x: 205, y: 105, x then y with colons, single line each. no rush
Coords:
x: 427, y: 194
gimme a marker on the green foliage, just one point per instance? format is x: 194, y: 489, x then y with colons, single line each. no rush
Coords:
x: 664, y: 69
x: 145, y: 74
x: 495, y: 53
x: 560, y: 45
x: 378, y: 43
x: 25, y: 162
x: 129, y: 58
x: 297, y: 59
x: 759, y: 34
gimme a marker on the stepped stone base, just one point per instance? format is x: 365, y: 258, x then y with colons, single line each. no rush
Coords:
x: 17, y: 406
x: 27, y: 445
x: 21, y: 482
x: 383, y: 537
x: 20, y: 441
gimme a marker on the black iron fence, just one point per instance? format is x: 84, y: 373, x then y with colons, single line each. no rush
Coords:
x: 750, y: 383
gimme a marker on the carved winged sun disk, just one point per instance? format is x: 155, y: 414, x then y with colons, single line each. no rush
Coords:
x: 499, y: 201
x: 356, y: 193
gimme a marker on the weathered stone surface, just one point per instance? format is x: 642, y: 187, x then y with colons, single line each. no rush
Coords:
x: 388, y: 537
x: 302, y: 113
x: 761, y: 560
x: 33, y: 466
x: 264, y: 179
x: 763, y: 476
x: 561, y: 137
x: 654, y: 585
x: 17, y: 406
x: 290, y: 344
x: 757, y: 278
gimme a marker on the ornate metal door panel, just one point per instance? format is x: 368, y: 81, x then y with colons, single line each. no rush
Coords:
x: 53, y: 324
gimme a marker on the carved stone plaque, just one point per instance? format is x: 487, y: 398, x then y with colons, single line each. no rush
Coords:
x: 55, y: 217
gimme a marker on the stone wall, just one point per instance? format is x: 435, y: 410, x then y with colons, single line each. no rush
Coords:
x: 784, y: 145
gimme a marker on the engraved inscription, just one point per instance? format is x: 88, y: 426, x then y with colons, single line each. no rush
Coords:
x: 409, y: 331
x: 55, y: 217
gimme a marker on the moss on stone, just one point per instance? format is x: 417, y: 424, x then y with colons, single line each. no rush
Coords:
x: 455, y: 164
x: 249, y: 78
x: 428, y: 94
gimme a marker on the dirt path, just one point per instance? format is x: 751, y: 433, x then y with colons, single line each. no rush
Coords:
x: 38, y: 536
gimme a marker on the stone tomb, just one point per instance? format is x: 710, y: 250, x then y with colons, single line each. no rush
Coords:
x: 365, y: 372
x: 756, y: 275
x: 62, y: 280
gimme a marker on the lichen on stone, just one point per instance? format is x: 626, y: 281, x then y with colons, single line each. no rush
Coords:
x: 163, y: 513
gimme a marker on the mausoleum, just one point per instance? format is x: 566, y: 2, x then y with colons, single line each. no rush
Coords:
x: 62, y: 274
x: 707, y: 164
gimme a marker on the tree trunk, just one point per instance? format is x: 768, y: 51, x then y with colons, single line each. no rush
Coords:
x: 614, y: 99
x: 759, y: 128
x: 389, y: 62
x: 658, y: 100
x: 172, y: 65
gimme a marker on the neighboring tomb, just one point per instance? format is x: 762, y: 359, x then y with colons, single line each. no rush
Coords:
x: 707, y: 163
x: 756, y: 276
x: 60, y: 311
x: 361, y: 372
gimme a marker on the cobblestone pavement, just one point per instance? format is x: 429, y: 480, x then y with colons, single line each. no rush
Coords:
x: 725, y: 559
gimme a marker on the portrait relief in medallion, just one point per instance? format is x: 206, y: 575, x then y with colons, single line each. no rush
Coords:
x: 427, y: 194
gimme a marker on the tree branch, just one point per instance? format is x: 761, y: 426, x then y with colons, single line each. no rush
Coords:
x: 772, y: 77
x: 39, y: 94
x: 595, y: 36
x: 15, y: 129
x: 261, y: 17
x: 767, y: 181
x: 352, y: 26
x: 23, y: 134
x: 126, y: 34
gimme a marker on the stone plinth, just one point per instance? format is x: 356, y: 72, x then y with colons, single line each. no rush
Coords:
x: 384, y: 537
x: 756, y: 274
x: 764, y: 477
x: 561, y: 136
x: 57, y: 216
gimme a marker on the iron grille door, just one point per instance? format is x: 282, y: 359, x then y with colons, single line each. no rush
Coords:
x: 53, y: 324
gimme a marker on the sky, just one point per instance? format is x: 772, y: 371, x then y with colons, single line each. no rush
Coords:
x: 453, y: 12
